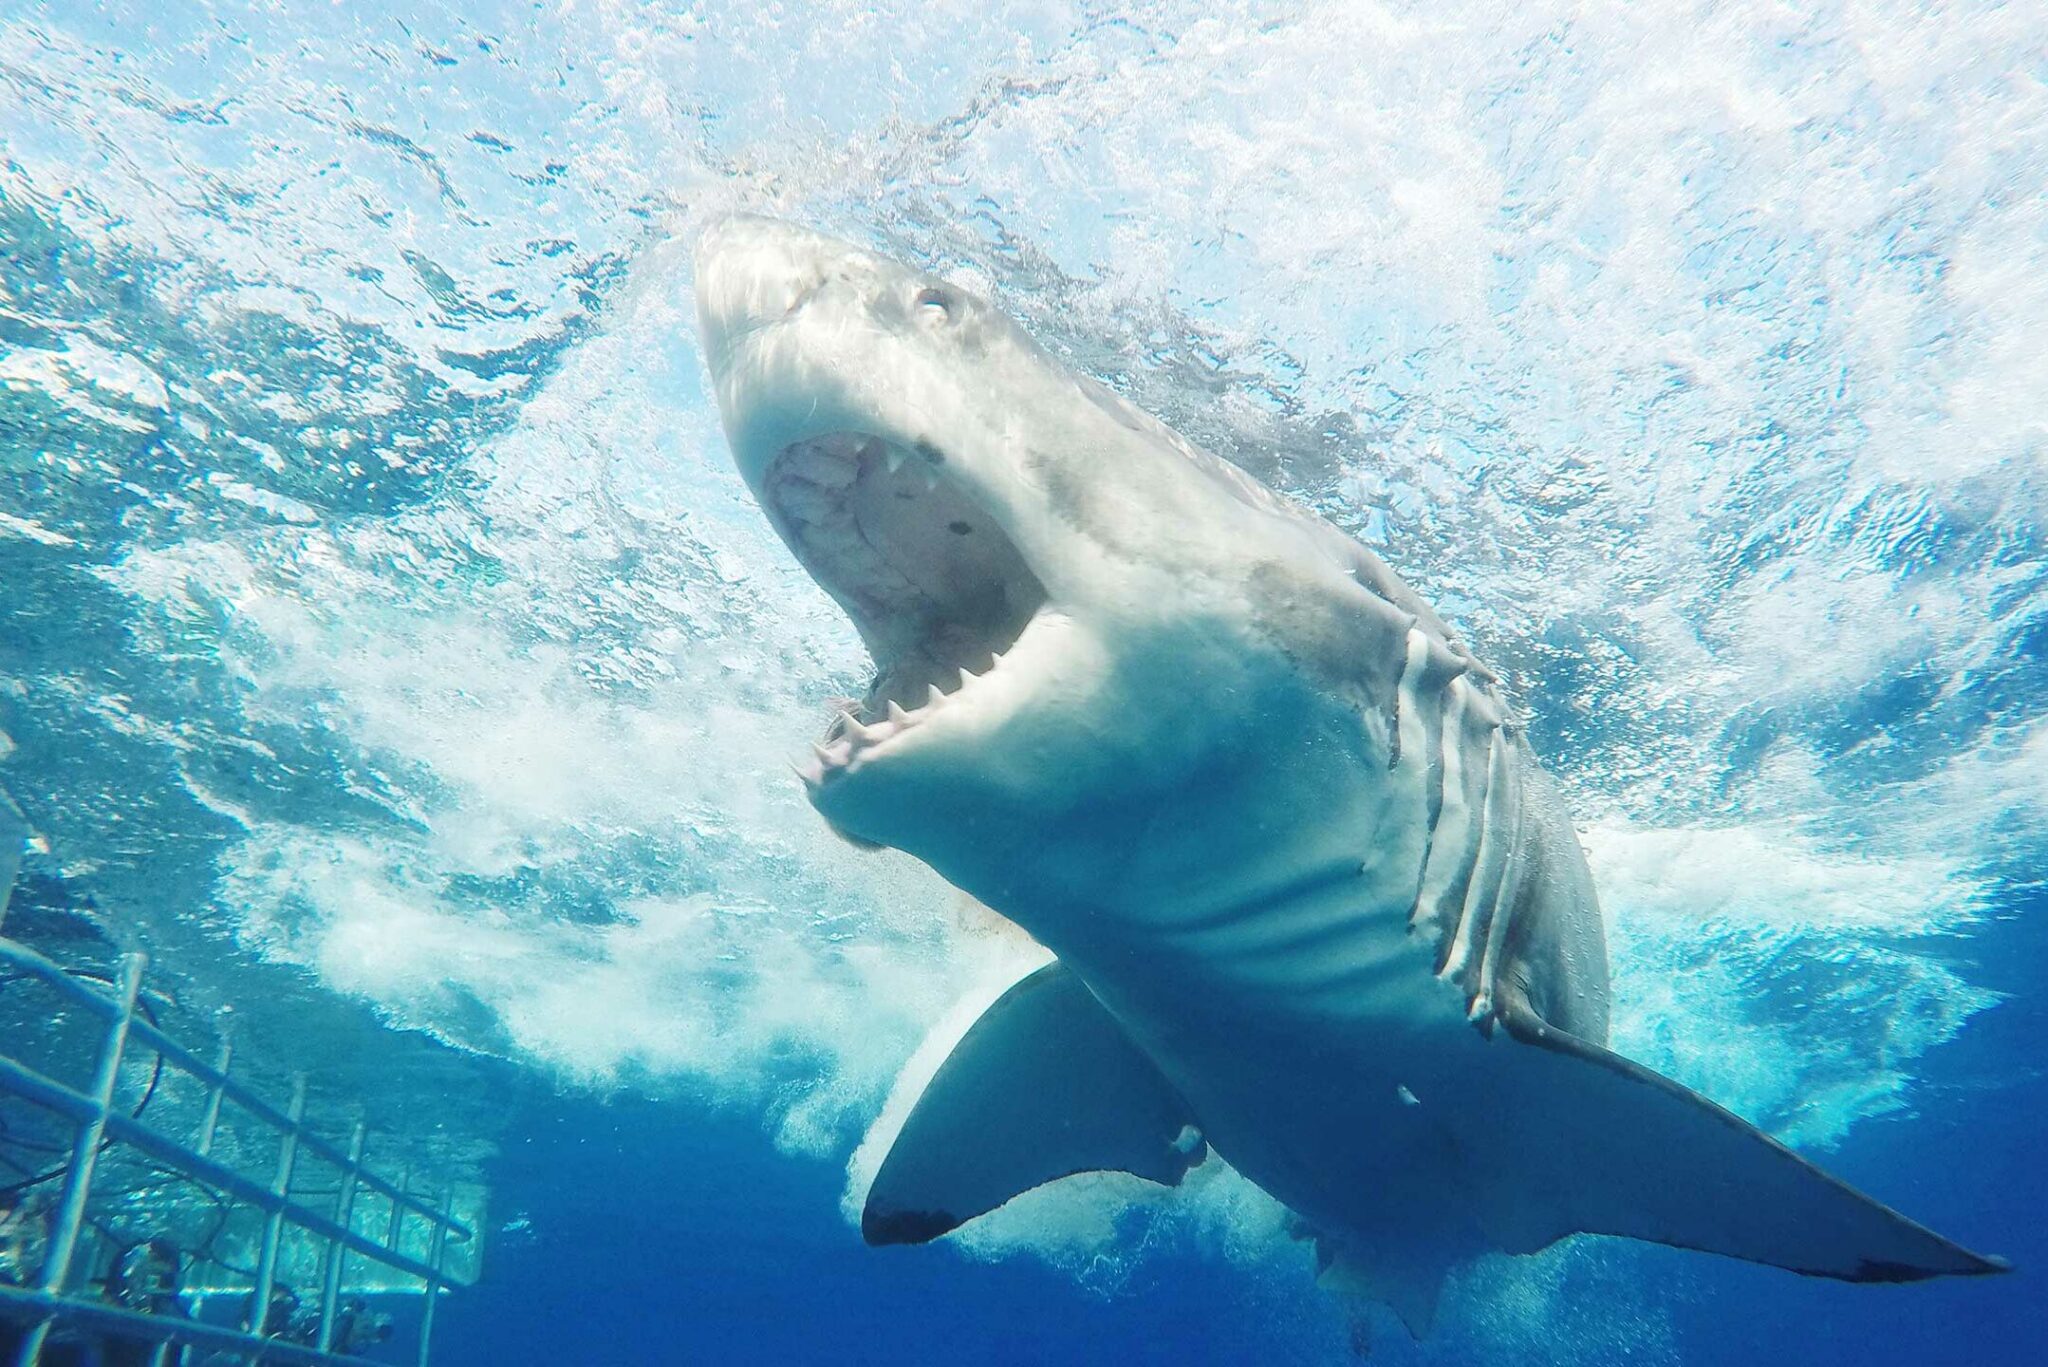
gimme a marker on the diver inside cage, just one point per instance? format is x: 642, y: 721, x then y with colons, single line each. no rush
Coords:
x: 356, y: 1325
x: 24, y: 1234
x: 146, y: 1277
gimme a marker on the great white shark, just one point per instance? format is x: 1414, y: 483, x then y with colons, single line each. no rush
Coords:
x: 1314, y: 903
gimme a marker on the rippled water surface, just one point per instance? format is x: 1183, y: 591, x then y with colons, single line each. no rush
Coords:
x: 387, y: 646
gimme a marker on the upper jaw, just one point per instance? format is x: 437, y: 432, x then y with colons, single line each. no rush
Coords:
x: 931, y: 579
x: 883, y: 518
x: 851, y: 743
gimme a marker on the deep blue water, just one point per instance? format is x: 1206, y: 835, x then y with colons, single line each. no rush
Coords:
x: 694, y: 1240
x: 389, y: 649
x: 688, y: 1240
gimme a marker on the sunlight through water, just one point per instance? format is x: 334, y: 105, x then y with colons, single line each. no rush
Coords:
x: 378, y: 601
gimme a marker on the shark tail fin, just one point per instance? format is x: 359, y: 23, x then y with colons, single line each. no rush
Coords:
x: 1592, y: 1142
x: 1044, y: 1085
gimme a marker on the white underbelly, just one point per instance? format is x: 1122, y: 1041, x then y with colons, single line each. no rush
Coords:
x: 1321, y: 1053
x: 1299, y: 996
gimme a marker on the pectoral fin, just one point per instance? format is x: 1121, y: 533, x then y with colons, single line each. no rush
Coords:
x: 1043, y: 1086
x: 1592, y: 1142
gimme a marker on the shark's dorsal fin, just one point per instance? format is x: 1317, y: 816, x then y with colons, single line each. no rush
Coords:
x: 1591, y: 1142
x: 1043, y: 1086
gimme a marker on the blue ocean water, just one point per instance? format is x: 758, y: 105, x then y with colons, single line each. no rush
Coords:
x: 388, y: 648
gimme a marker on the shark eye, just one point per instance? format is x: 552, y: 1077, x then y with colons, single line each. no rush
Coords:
x: 931, y: 306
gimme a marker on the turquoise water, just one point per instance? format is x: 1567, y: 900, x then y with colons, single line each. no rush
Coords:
x: 387, y: 646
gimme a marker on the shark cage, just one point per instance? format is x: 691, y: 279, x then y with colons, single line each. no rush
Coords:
x: 158, y: 1208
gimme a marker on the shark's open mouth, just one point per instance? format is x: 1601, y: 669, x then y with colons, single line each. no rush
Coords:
x: 936, y: 587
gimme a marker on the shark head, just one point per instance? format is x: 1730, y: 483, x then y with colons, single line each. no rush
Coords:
x: 1078, y: 619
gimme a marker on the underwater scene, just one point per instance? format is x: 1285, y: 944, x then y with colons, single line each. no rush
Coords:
x: 1182, y: 683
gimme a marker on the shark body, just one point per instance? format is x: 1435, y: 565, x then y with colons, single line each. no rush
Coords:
x: 1313, y: 900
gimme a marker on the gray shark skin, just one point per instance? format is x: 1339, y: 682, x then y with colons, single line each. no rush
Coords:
x: 1313, y: 901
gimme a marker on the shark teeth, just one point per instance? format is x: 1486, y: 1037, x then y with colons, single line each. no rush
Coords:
x: 866, y: 735
x: 851, y: 739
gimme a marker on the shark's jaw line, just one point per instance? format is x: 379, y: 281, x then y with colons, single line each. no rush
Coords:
x: 930, y: 579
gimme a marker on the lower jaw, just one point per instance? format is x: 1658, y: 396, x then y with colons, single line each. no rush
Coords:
x: 861, y: 843
x: 822, y: 800
x: 890, y: 802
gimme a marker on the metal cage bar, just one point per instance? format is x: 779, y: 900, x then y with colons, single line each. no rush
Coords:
x: 51, y: 1303
x: 216, y: 1092
x: 13, y: 842
x: 273, y: 1227
x: 190, y: 1064
x: 85, y: 1154
x: 435, y: 1249
x: 337, y: 1253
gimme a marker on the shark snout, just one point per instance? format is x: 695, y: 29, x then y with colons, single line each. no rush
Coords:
x: 753, y: 272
